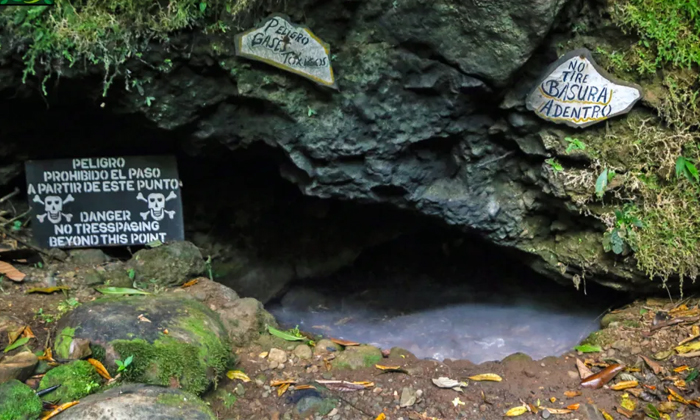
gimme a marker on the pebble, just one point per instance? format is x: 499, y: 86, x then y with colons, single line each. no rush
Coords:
x: 281, y: 366
x: 408, y: 397
x: 572, y: 374
x: 277, y: 355
x: 546, y: 414
x: 274, y: 365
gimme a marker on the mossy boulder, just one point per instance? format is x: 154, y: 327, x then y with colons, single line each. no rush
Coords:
x: 173, y: 339
x: 140, y: 402
x: 78, y: 379
x: 517, y: 357
x: 18, y: 402
x: 168, y: 265
x: 357, y: 357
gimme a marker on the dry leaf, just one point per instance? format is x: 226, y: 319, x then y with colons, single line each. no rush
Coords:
x: 680, y: 369
x: 687, y: 348
x: 328, y: 364
x: 558, y: 410
x: 143, y: 318
x: 381, y: 416
x: 627, y: 403
x: 457, y: 402
x: 48, y: 355
x: 486, y: 377
x: 47, y: 290
x: 553, y: 399
x: 11, y: 272
x: 583, y: 371
x: 447, y: 383
x: 388, y: 369
x: 282, y: 389
x: 237, y: 374
x: 624, y: 385
x: 516, y: 411
x: 573, y: 407
x: 344, y: 343
x: 263, y: 355
x: 603, y: 377
x: 12, y: 336
x: 303, y: 387
x: 99, y: 367
x: 572, y: 394
x: 606, y: 415
x: 624, y: 412
x: 695, y: 330
x: 346, y: 386
x: 59, y: 409
x: 667, y: 407
x: 657, y: 368
x: 676, y: 396
x: 28, y: 332
x: 283, y: 382
x: 190, y: 283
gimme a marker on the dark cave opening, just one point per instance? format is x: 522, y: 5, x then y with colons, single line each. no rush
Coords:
x: 367, y: 272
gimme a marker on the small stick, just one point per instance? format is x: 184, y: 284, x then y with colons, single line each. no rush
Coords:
x: 10, y: 195
x: 35, y: 248
x: 691, y: 354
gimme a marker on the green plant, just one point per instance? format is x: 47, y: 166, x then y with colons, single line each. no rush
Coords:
x: 16, y: 225
x: 574, y: 144
x: 310, y: 111
x: 149, y: 100
x: 554, y: 164
x: 601, y: 184
x: 687, y: 169
x: 66, y: 306
x: 623, y: 236
x: 44, y: 317
x: 228, y: 399
x: 207, y: 264
x: 125, y: 364
x: 131, y: 273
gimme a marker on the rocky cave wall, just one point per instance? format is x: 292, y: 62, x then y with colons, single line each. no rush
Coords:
x: 429, y: 118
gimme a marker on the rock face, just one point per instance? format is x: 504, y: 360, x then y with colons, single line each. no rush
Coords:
x: 168, y: 265
x: 158, y: 331
x: 19, y: 366
x: 430, y: 117
x: 140, y: 402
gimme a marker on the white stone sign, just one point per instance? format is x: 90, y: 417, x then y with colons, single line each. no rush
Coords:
x: 578, y: 93
x: 291, y: 47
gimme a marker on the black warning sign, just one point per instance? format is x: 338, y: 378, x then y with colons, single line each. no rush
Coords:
x: 110, y: 201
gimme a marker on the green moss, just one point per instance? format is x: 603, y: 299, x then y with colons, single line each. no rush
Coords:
x: 98, y: 352
x: 63, y: 341
x: 18, y: 402
x: 599, y: 338
x: 107, y: 33
x: 77, y: 379
x: 193, y: 366
x: 185, y: 401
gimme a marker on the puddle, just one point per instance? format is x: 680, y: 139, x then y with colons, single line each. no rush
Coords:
x: 449, y: 309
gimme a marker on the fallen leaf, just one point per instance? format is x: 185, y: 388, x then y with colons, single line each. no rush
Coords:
x: 344, y: 343
x: 263, y: 355
x: 457, y: 402
x: 680, y: 369
x: 680, y: 383
x: 28, y: 332
x: 558, y: 410
x: 676, y: 396
x: 284, y: 335
x: 606, y: 415
x: 59, y: 409
x: 516, y: 411
x: 381, y: 416
x: 624, y: 385
x: 447, y: 383
x: 603, y: 377
x: 190, y: 283
x: 327, y: 364
x: 48, y: 355
x: 657, y: 368
x: 11, y: 272
x: 583, y: 371
x: 346, y: 385
x: 553, y: 399
x: 695, y: 330
x: 22, y: 341
x: 624, y: 412
x: 692, y: 375
x: 663, y: 355
x: 667, y: 407
x: 573, y: 407
x: 628, y: 403
x: 283, y: 382
x: 572, y: 394
x: 99, y: 367
x: 12, y: 336
x: 588, y: 348
x: 486, y: 377
x: 120, y: 291
x: 687, y: 348
x: 389, y: 369
x: 282, y: 389
x: 237, y: 374
x: 143, y: 318
x: 303, y: 387
x: 47, y: 290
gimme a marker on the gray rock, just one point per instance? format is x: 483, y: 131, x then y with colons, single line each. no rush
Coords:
x: 139, y: 402
x: 303, y: 352
x: 591, y: 412
x: 20, y: 366
x: 89, y: 257
x: 408, y: 397
x: 277, y: 355
x: 169, y: 265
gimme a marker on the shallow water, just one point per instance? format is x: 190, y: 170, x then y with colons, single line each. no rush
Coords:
x: 473, y: 305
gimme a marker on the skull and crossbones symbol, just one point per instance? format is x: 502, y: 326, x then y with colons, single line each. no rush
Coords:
x: 53, y: 207
x: 156, y: 205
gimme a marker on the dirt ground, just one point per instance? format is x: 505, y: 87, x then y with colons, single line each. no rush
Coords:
x: 652, y: 328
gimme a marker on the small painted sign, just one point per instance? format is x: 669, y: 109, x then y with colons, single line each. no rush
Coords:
x: 290, y: 47
x: 110, y: 201
x: 575, y: 91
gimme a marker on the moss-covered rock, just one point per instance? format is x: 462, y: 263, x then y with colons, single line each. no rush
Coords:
x: 77, y: 379
x: 140, y: 402
x: 18, y: 402
x: 517, y: 357
x: 357, y: 357
x: 184, y: 341
x: 168, y: 265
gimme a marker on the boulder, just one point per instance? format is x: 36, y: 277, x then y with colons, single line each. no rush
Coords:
x: 357, y: 357
x: 78, y: 379
x: 169, y: 265
x: 87, y: 256
x: 139, y: 402
x: 18, y: 402
x: 160, y: 332
x: 19, y: 366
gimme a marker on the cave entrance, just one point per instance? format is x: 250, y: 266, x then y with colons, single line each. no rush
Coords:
x: 443, y: 296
